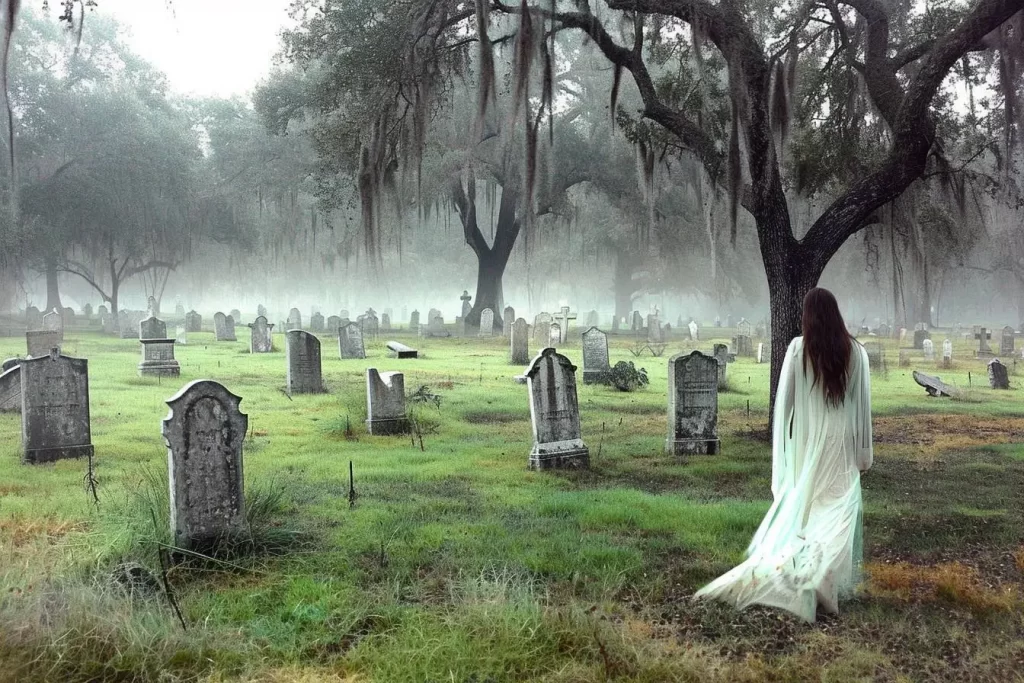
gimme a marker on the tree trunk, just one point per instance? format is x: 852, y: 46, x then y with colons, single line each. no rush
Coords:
x: 52, y: 286
x: 489, y: 272
x: 623, y: 285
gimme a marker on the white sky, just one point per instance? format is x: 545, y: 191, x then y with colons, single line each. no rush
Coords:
x: 206, y: 47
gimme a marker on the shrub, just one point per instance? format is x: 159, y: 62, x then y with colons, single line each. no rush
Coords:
x: 625, y: 376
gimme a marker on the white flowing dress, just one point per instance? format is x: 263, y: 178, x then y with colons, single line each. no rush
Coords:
x: 808, y: 549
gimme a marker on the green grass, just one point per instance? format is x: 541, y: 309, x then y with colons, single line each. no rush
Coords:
x: 458, y: 564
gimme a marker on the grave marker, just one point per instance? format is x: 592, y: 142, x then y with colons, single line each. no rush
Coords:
x: 316, y: 322
x: 998, y: 378
x: 1006, y: 341
x: 519, y: 352
x: 302, y: 350
x: 928, y: 346
x: 402, y: 351
x: 157, y: 350
x: 193, y: 322
x: 486, y: 323
x: 983, y: 336
x: 947, y: 354
x: 595, y: 356
x: 693, y: 385
x: 261, y: 336
x: 508, y: 317
x: 385, y: 403
x: 554, y: 413
x: 55, y: 408
x: 350, y: 341
x: 294, y: 321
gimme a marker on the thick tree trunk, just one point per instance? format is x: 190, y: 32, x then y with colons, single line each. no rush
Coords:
x: 623, y: 285
x: 490, y: 270
x: 788, y: 284
x: 52, y: 286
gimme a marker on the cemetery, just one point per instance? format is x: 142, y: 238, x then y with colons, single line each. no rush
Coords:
x: 476, y: 341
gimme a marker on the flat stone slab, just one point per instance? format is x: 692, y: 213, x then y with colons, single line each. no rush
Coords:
x: 935, y: 386
x: 402, y: 350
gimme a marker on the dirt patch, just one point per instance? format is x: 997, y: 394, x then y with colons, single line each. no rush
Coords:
x: 948, y: 431
x: 24, y: 531
x: 493, y: 417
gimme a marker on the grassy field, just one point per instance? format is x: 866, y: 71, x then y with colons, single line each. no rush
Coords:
x: 456, y: 564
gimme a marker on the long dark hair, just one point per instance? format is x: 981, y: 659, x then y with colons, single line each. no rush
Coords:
x: 827, y: 344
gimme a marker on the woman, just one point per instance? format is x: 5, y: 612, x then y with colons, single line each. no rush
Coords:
x: 807, y: 551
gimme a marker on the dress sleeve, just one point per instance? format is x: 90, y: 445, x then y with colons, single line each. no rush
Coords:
x: 782, y: 440
x: 864, y: 446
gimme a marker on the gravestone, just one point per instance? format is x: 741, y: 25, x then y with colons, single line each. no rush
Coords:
x: 998, y: 378
x: 721, y: 354
x: 350, y: 341
x: 486, y: 323
x: 385, y: 403
x: 261, y: 311
x: 414, y: 322
x: 466, y: 307
x: 333, y: 323
x: 694, y: 330
x: 152, y: 307
x: 554, y: 334
x: 204, y: 432
x: 385, y: 322
x: 181, y: 336
x: 592, y: 319
x: 220, y: 327
x: 743, y: 345
x: 519, y: 344
x: 947, y: 354
x: 302, y: 350
x: 344, y: 314
x: 193, y: 322
x: 87, y: 311
x: 935, y: 386
x: 10, y: 390
x: 595, y: 356
x: 693, y: 384
x: 34, y: 319
x: 128, y: 322
x: 294, y: 321
x: 39, y: 342
x: 157, y: 350
x: 68, y: 315
x: 261, y: 336
x: 876, y: 356
x: 744, y: 328
x: 929, y: 349
x: 615, y: 323
x: 542, y: 328
x: 402, y: 351
x: 1006, y: 342
x: 55, y: 408
x: 509, y: 317
x: 370, y: 326
x: 554, y: 413
x: 919, y: 337
x: 564, y: 319
x: 884, y: 331
x: 179, y: 311
x: 983, y: 336
x: 435, y: 327
x: 760, y: 352
x: 236, y: 315
x: 53, y: 322
x: 637, y: 323
x: 316, y: 322
x: 654, y: 335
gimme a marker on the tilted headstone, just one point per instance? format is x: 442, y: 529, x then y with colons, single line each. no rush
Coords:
x: 385, y: 403
x: 693, y: 384
x: 998, y: 377
x: 554, y: 413
x: 466, y: 307
x: 414, y: 322
x: 157, y: 350
x: 402, y: 351
x: 595, y: 356
x: 935, y: 386
x: 928, y: 346
x: 294, y: 321
x: 487, y: 323
x: 304, y: 368
x: 10, y: 390
x: 947, y: 354
x: 519, y: 343
x: 508, y: 317
x: 261, y: 336
x: 1006, y: 341
x: 722, y: 356
x: 350, y: 341
x: 39, y: 343
x: 55, y: 408
x: 316, y: 322
x: 204, y: 432
x: 193, y: 322
x: 554, y: 334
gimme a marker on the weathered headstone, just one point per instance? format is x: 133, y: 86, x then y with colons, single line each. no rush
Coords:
x: 919, y: 337
x: 204, y: 432
x: 261, y: 336
x: 350, y: 341
x: 402, y: 351
x: 333, y: 323
x: 947, y: 354
x: 53, y: 322
x: 554, y: 334
x: 637, y: 323
x: 316, y: 322
x: 193, y: 322
x: 414, y: 322
x: 435, y: 327
x: 743, y: 345
x: 592, y: 319
x: 884, y: 331
x: 261, y: 310
x: 934, y: 386
x: 55, y: 408
x: 157, y: 350
x: 654, y: 334
x: 304, y: 368
x: 39, y: 342
x: 128, y: 323
x: 34, y: 319
x: 876, y: 356
x: 998, y: 378
x: 385, y: 403
x: 487, y: 323
x: 220, y: 327
x: 294, y: 321
x: 370, y: 326
x: 542, y: 328
x: 10, y: 389
x: 554, y: 412
x: 1006, y: 341
x: 595, y: 356
x: 744, y: 328
x: 508, y: 317
x: 928, y: 346
x: 721, y: 354
x: 519, y: 353
x: 87, y: 310
x: 385, y: 322
x: 693, y: 384
x: 983, y: 336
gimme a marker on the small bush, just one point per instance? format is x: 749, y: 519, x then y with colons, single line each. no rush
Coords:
x: 625, y: 376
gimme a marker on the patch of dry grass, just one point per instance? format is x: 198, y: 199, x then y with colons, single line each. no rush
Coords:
x: 953, y: 583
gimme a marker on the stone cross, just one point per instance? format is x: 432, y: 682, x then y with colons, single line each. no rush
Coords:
x: 55, y: 408
x: 302, y: 350
x: 983, y: 336
x: 693, y: 384
x: 565, y: 318
x: 261, y: 337
x: 595, y: 356
x: 465, y: 299
x: 554, y: 413
x: 385, y: 403
x: 204, y: 431
x: 519, y: 344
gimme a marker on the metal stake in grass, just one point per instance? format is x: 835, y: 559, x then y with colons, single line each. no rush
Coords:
x: 351, y: 487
